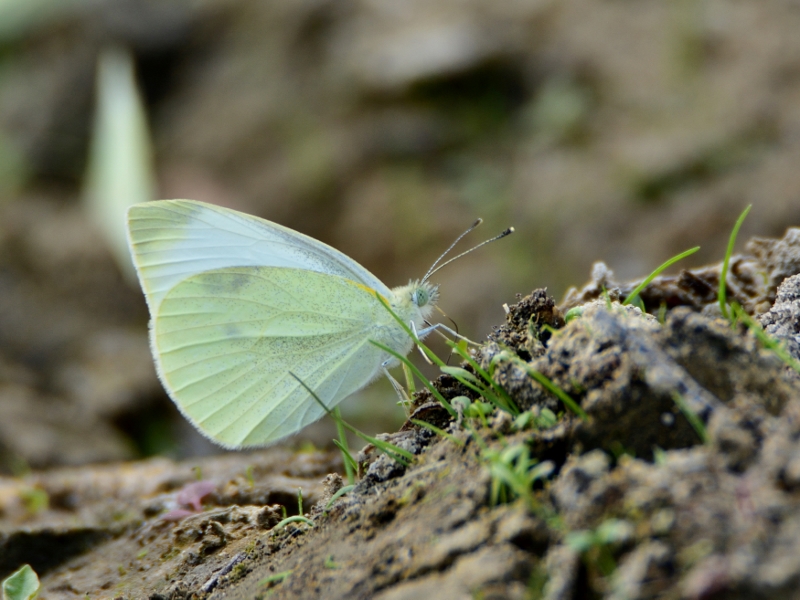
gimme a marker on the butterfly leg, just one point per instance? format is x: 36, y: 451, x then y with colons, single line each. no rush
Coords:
x: 439, y: 326
x: 422, y: 333
x: 398, y: 388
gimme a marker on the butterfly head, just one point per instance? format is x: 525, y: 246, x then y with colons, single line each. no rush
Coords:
x: 424, y: 294
x: 415, y: 301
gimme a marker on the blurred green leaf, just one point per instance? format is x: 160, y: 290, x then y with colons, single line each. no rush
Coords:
x: 35, y: 499
x: 120, y: 171
x: 22, y: 584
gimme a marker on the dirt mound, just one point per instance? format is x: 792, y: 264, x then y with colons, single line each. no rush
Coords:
x: 676, y: 476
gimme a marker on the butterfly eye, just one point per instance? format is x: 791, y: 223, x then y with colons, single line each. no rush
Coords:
x: 420, y: 297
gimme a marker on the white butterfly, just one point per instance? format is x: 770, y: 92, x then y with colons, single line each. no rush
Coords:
x: 238, y: 302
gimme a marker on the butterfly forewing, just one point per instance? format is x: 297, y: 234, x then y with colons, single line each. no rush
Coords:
x: 227, y: 339
x: 172, y: 240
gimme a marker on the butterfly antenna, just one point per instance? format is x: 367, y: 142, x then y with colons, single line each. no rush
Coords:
x: 458, y: 239
x: 434, y: 268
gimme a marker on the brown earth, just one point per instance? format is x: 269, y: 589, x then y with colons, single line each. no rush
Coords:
x: 600, y: 130
x: 615, y: 131
x: 635, y: 501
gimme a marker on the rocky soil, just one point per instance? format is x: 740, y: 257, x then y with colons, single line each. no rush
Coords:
x: 615, y: 131
x: 682, y: 479
x: 599, y: 130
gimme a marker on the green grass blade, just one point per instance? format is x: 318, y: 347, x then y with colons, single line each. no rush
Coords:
x: 766, y: 339
x: 469, y: 381
x: 694, y: 420
x: 573, y: 313
x: 404, y: 457
x: 342, y: 491
x: 557, y: 391
x: 662, y: 313
x: 462, y: 374
x: 410, y: 386
x: 510, y: 405
x: 419, y: 374
x: 505, y: 475
x: 396, y: 453
x: 294, y: 519
x: 657, y: 272
x: 275, y: 578
x: 441, y: 364
x: 723, y: 276
x: 349, y: 462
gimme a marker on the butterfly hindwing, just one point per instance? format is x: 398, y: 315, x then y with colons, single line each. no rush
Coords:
x: 227, y: 339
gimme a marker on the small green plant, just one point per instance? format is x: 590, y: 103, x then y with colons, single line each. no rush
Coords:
x: 497, y: 395
x: 330, y: 563
x: 543, y: 419
x: 524, y: 421
x: 248, y: 473
x: 766, y: 340
x: 295, y: 519
x: 662, y: 313
x: 436, y: 394
x: 34, y: 499
x: 350, y: 463
x: 514, y: 473
x: 22, y: 584
x: 341, y: 492
x: 735, y: 313
x: 467, y: 409
x: 409, y: 377
x: 637, y: 290
x: 483, y: 385
x: 275, y: 578
x: 618, y: 450
x: 639, y: 303
x: 537, y: 582
x: 596, y: 546
x: 558, y: 392
x: 723, y: 276
x: 543, y: 381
